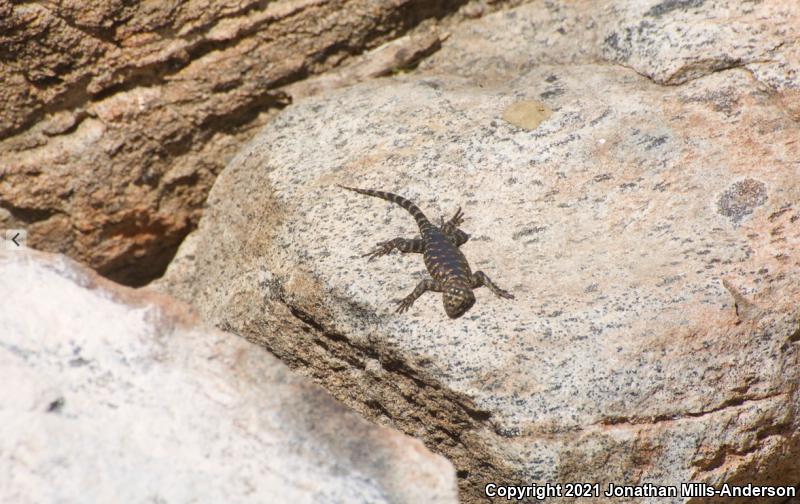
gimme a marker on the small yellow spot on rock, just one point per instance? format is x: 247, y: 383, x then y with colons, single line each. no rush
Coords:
x: 526, y: 114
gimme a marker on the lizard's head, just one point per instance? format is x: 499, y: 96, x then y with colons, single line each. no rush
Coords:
x: 457, y: 300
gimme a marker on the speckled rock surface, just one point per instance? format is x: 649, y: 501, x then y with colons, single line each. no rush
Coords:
x: 113, y: 395
x: 650, y: 233
x: 668, y: 41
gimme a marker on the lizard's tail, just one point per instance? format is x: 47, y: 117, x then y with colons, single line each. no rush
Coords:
x: 394, y: 198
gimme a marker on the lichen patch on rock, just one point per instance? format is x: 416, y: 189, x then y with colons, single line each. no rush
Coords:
x: 741, y: 198
x: 526, y: 114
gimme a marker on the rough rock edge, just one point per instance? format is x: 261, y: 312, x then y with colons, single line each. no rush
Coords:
x: 169, y: 313
x: 423, y: 408
x: 444, y: 420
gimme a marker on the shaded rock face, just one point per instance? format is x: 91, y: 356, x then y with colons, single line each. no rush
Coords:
x: 650, y: 233
x: 113, y: 395
x: 117, y: 116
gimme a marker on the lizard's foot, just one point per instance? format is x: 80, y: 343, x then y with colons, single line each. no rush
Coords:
x: 457, y: 219
x: 404, y: 304
x: 422, y: 287
x: 501, y: 292
x: 404, y: 245
x: 451, y: 226
x: 380, y: 249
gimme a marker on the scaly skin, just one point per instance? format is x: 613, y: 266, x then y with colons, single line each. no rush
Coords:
x: 449, y: 269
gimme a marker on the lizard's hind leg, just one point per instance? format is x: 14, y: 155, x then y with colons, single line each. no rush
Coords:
x: 457, y: 219
x: 405, y: 245
x: 450, y: 228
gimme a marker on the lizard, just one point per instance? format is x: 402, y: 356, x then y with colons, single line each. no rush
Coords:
x: 439, y: 245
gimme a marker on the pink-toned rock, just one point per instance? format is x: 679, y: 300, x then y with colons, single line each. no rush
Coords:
x: 117, y: 116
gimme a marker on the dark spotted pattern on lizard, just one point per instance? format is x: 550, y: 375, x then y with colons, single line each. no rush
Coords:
x: 449, y: 269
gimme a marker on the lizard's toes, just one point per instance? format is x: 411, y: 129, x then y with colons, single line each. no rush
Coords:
x: 503, y: 293
x: 378, y: 251
x: 375, y: 253
x: 370, y: 255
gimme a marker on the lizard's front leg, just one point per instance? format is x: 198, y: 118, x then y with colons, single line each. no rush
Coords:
x: 479, y: 279
x: 404, y: 245
x: 422, y: 287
